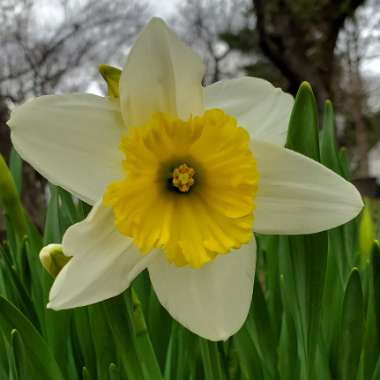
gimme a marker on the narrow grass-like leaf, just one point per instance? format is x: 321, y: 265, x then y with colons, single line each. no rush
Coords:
x: 211, y: 360
x: 288, y: 364
x: 308, y: 253
x: 248, y: 357
x: 366, y: 234
x: 376, y: 284
x: 258, y: 327
x: 53, y: 229
x: 269, y: 257
x: 85, y: 374
x: 15, y: 166
x: 44, y: 364
x: 328, y: 150
x: 352, y: 328
x: 143, y: 343
x: 82, y: 337
x: 114, y: 372
x: 12, y: 366
x: 344, y: 164
x: 20, y: 357
x: 103, y: 343
x: 10, y: 202
x: 303, y: 125
x: 182, y: 355
x: 123, y: 335
x: 68, y: 208
x: 159, y: 325
x: 20, y: 295
x: 371, y: 344
x: 4, y: 363
x: 376, y: 373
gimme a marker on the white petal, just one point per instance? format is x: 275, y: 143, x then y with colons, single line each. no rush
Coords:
x: 297, y: 195
x: 259, y: 107
x: 161, y: 75
x: 103, y: 265
x: 72, y: 140
x: 212, y: 301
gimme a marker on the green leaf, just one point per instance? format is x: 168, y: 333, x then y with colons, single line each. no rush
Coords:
x: 123, y: 334
x: 4, y: 360
x: 103, y: 343
x: 268, y: 252
x: 303, y: 124
x: 305, y: 267
x: 58, y: 325
x: 288, y: 364
x: 142, y: 340
x: 250, y: 364
x: 258, y: 327
x: 114, y: 372
x: 15, y: 166
x: 20, y: 358
x: 69, y: 212
x: 10, y: 201
x: 366, y: 234
x: 211, y: 359
x: 53, y: 230
x: 376, y: 373
x: 344, y: 164
x: 182, y: 355
x: 328, y: 150
x: 352, y: 329
x: 42, y: 361
x: 85, y: 374
x: 83, y: 342
x: 371, y: 344
x: 158, y: 320
x: 20, y: 296
x: 12, y: 366
x: 376, y: 284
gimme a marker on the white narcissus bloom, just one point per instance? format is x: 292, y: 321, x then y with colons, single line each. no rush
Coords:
x: 179, y: 176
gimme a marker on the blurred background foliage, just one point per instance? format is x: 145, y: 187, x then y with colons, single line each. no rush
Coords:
x: 55, y: 46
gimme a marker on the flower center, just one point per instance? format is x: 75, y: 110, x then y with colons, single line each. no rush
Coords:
x: 189, y: 187
x: 183, y: 178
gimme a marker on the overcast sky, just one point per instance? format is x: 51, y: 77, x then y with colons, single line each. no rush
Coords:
x: 164, y: 8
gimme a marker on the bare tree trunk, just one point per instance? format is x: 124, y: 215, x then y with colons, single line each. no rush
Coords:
x: 361, y: 132
x: 362, y: 142
x: 357, y: 102
x: 5, y: 148
x: 5, y: 143
x: 302, y: 50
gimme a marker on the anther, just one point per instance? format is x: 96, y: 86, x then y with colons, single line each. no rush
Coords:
x: 183, y: 178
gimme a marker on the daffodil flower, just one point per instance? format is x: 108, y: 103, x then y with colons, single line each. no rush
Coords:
x: 180, y: 176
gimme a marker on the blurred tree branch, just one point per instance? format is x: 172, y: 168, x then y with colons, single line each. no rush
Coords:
x: 57, y: 48
x: 201, y: 24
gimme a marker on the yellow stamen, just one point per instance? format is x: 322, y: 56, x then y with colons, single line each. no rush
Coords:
x: 183, y: 178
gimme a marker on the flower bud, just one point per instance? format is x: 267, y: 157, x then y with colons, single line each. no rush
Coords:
x: 53, y: 259
x: 112, y: 77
